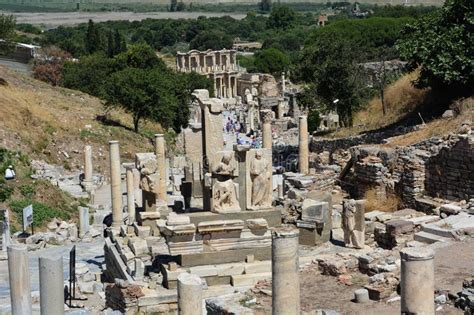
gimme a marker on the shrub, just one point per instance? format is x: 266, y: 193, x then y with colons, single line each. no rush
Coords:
x: 5, y: 192
x: 42, y: 213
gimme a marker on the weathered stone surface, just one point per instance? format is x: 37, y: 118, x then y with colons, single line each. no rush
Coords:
x: 314, y: 211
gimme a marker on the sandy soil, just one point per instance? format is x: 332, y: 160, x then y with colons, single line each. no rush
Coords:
x: 55, y: 19
x: 453, y: 264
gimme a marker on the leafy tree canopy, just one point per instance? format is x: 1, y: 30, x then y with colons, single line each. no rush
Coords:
x: 212, y: 39
x: 7, y: 32
x: 272, y: 61
x: 442, y: 45
x: 281, y: 17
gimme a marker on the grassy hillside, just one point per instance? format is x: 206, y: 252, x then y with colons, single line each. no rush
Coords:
x: 54, y: 124
x: 405, y: 104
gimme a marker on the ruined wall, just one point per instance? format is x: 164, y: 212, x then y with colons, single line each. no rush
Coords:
x: 450, y: 173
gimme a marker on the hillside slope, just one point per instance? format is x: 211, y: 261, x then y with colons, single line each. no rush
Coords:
x: 54, y: 124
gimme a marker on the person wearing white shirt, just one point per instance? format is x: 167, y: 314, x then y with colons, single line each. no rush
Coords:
x: 9, y: 173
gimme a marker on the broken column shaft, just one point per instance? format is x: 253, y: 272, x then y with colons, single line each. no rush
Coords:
x: 87, y: 168
x: 266, y: 116
x: 285, y: 266
x: 115, y: 184
x: 161, y: 159
x: 303, y: 161
x: 189, y: 294
x: 417, y: 281
x: 130, y: 195
x: 51, y: 285
x: 19, y: 275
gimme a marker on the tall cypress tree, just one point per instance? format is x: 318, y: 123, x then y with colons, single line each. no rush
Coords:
x: 93, y: 40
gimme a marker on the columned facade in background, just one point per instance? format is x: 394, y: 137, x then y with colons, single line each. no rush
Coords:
x: 220, y: 66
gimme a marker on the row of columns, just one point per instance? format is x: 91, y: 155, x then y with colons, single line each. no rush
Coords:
x: 51, y: 278
x: 226, y: 90
x: 303, y: 140
x: 116, y: 185
x: 416, y: 282
x: 186, y: 64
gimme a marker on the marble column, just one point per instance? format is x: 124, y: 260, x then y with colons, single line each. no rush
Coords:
x: 83, y: 220
x: 115, y: 184
x: 189, y: 294
x: 303, y: 161
x: 285, y: 267
x: 51, y: 278
x: 161, y: 159
x: 87, y: 182
x: 244, y: 185
x: 19, y: 275
x: 417, y: 281
x: 283, y: 84
x: 131, y: 194
x: 266, y: 116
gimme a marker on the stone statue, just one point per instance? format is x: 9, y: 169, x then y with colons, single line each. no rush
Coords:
x: 225, y: 166
x: 351, y: 216
x: 224, y: 197
x: 261, y: 174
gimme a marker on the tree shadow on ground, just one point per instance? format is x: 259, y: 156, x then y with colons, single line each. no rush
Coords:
x: 107, y: 121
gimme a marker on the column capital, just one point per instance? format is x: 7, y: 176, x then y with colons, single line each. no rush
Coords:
x: 266, y: 115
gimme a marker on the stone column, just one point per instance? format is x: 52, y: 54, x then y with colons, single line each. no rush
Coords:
x: 83, y: 220
x: 285, y: 267
x: 161, y: 159
x: 131, y: 194
x: 241, y: 154
x: 51, y: 285
x: 417, y: 281
x: 266, y: 115
x: 19, y: 275
x: 115, y: 184
x: 229, y: 87
x: 87, y: 183
x: 303, y: 162
x: 283, y: 84
x: 189, y: 294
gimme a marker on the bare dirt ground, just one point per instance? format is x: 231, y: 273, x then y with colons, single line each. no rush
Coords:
x: 55, y: 19
x: 453, y: 264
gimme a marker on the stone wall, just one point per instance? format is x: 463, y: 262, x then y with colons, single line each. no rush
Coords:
x: 450, y: 173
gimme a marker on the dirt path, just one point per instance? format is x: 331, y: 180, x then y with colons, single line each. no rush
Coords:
x: 453, y: 264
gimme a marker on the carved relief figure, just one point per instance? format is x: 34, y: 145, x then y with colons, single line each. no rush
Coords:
x: 260, y: 173
x: 225, y: 196
x: 351, y: 235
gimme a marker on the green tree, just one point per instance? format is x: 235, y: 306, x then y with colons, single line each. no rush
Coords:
x: 139, y: 56
x: 271, y: 61
x: 93, y: 39
x: 212, y: 39
x: 89, y: 74
x: 331, y: 70
x: 144, y: 93
x: 442, y: 46
x: 265, y: 5
x: 281, y: 17
x: 7, y: 32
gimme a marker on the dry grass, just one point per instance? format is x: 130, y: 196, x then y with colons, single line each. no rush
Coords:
x: 373, y: 202
x: 45, y: 121
x: 439, y: 127
x: 401, y: 98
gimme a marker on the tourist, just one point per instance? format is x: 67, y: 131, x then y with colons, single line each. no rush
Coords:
x: 9, y: 173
